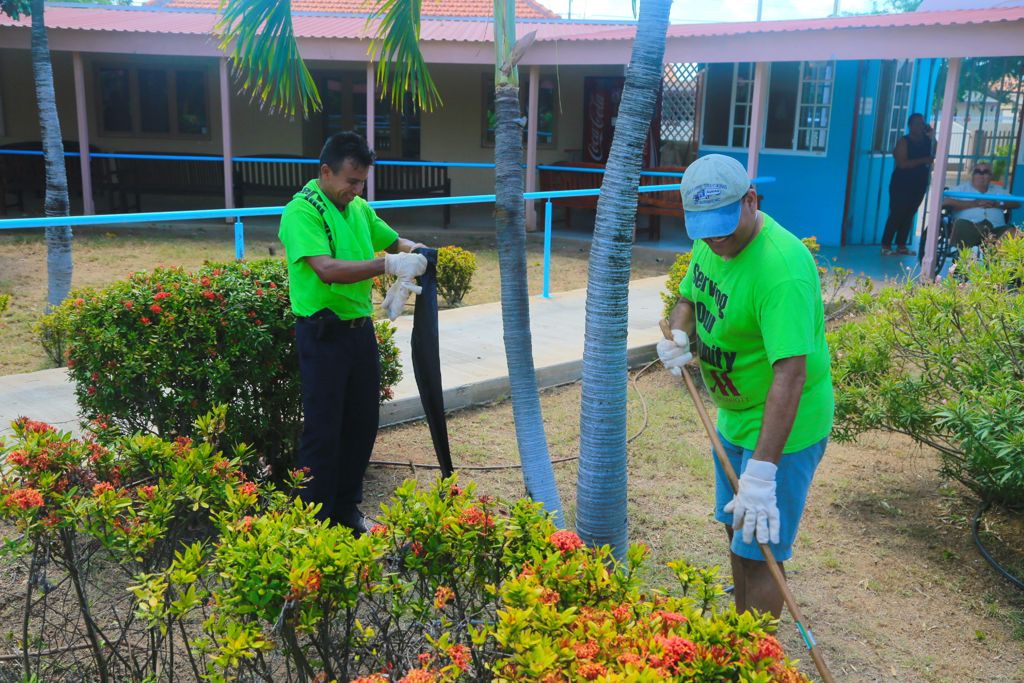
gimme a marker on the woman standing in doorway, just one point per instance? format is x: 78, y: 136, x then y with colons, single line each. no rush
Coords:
x: 914, y: 155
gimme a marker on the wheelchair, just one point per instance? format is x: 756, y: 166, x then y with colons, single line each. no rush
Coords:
x: 945, y: 247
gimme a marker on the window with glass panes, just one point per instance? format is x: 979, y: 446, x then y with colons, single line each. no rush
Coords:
x: 816, y: 84
x: 727, y: 101
x: 894, y: 83
x: 153, y: 101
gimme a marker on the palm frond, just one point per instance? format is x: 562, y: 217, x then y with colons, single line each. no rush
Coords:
x: 260, y: 41
x: 396, y: 50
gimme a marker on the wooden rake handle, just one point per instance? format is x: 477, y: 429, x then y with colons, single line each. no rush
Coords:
x: 769, y: 558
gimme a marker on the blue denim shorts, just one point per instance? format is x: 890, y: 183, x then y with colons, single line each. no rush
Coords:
x: 793, y: 480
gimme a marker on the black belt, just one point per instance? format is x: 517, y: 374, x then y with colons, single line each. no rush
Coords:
x: 326, y: 320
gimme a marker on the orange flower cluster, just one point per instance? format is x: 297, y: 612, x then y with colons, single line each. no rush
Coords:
x: 565, y: 541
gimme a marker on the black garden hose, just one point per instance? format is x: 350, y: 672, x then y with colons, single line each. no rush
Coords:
x: 984, y: 551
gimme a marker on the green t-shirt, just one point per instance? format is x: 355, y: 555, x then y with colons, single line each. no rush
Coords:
x: 753, y: 310
x: 358, y: 234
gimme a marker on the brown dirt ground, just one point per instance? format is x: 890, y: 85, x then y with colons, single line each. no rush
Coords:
x: 885, y: 570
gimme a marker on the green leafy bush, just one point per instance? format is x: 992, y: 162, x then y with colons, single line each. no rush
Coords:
x: 670, y: 297
x: 155, y: 351
x: 944, y: 364
x: 5, y: 302
x: 455, y: 269
x: 93, y: 513
x: 448, y: 587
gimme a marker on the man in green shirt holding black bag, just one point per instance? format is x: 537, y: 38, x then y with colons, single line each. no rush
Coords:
x: 331, y: 236
x: 753, y: 298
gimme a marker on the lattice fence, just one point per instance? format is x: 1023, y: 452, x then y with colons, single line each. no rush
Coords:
x: 680, y: 127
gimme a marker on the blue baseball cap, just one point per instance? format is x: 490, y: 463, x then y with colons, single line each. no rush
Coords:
x: 712, y: 189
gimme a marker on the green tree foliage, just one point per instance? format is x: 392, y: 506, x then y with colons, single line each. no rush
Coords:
x: 944, y: 364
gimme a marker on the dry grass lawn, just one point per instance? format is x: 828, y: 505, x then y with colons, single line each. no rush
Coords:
x: 103, y: 256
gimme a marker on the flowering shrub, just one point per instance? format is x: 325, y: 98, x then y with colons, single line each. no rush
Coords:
x: 942, y: 364
x: 92, y: 513
x: 155, y: 351
x: 449, y: 586
x: 455, y: 269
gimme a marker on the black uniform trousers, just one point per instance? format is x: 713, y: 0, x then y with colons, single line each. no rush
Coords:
x: 340, y: 369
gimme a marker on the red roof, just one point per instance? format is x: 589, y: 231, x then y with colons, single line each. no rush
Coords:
x: 200, y: 21
x: 525, y: 9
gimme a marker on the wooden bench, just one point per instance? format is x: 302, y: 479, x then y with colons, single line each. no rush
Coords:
x: 136, y: 177
x: 270, y: 178
x: 653, y: 204
x: 413, y: 182
x: 556, y: 181
x: 661, y: 203
x: 283, y: 179
x: 21, y: 173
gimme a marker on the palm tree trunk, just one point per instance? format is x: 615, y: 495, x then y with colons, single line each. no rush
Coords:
x: 601, y: 516
x: 510, y: 226
x: 58, y: 239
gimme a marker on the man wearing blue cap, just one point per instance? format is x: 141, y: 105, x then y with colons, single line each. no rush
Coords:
x: 753, y: 298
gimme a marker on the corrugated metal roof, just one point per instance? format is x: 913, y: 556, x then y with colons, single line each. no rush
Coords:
x: 183, y: 21
x: 201, y: 21
x: 525, y: 9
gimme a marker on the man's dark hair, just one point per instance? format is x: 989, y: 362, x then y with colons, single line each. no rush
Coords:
x: 347, y: 145
x: 915, y: 115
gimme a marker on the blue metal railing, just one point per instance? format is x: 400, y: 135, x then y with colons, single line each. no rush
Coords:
x: 238, y: 214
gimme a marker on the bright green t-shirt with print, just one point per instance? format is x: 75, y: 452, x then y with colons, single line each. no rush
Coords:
x: 761, y: 306
x: 358, y: 234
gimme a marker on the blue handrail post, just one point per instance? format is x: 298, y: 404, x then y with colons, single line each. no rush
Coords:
x: 547, y: 250
x: 239, y: 239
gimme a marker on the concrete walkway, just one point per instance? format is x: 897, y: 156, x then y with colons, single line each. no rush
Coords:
x: 473, y: 367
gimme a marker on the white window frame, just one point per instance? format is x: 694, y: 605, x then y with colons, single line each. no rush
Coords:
x: 797, y: 128
x: 890, y: 114
x: 828, y: 85
x: 733, y: 126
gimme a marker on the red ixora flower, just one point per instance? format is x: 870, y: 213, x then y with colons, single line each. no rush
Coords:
x: 768, y: 648
x: 587, y: 651
x: 161, y: 295
x: 473, y: 516
x: 26, y: 499
x: 79, y: 301
x: 248, y: 489
x: 208, y: 294
x: 565, y: 541
x: 460, y: 656
x: 101, y: 488
x: 128, y: 305
x: 33, y: 426
x: 442, y: 596
x: 19, y: 458
x: 591, y: 670
x: 419, y: 676
x: 147, y: 492
x: 156, y: 308
x: 145, y: 320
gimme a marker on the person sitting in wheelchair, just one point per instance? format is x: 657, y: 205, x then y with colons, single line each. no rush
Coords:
x: 978, y: 220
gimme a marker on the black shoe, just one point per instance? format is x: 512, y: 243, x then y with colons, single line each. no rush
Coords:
x: 356, y: 521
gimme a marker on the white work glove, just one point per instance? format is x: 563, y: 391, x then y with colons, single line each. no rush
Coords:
x: 405, y: 265
x: 674, y: 353
x: 754, y: 506
x: 398, y: 293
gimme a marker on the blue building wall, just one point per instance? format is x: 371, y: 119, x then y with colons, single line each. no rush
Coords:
x: 808, y: 193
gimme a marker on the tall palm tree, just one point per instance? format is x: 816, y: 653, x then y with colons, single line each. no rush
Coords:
x: 601, y: 516
x: 510, y: 225
x: 264, y: 52
x: 58, y: 239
